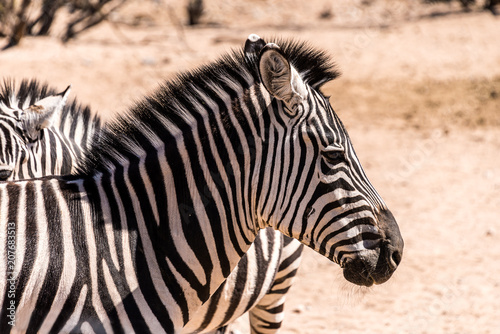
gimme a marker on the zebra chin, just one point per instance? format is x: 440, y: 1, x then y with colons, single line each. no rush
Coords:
x: 376, y: 266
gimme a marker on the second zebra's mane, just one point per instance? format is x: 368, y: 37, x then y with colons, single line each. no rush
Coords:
x: 175, y: 99
x: 27, y: 94
x: 31, y: 91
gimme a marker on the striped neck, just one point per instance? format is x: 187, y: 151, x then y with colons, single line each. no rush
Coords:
x: 191, y: 182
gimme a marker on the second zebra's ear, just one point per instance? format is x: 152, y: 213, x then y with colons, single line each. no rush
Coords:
x: 280, y: 79
x: 41, y: 114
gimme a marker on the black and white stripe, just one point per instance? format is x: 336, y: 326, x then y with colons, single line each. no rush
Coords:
x: 65, y: 142
x: 259, y: 285
x: 166, y: 205
x: 40, y: 134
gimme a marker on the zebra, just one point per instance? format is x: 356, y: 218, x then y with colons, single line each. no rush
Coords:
x: 268, y: 281
x: 164, y: 207
x: 31, y: 93
x: 256, y: 286
x: 39, y: 134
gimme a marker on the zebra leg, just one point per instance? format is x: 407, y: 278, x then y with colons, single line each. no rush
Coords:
x: 266, y: 317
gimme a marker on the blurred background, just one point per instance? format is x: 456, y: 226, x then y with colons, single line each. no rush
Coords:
x: 419, y: 95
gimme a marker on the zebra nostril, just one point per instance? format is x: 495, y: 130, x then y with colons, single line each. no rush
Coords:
x: 392, y: 255
x: 396, y: 257
x: 4, y: 174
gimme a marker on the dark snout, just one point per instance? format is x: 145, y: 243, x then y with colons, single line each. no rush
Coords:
x: 391, y: 248
x: 378, y: 265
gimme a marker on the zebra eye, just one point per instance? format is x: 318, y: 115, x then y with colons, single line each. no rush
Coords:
x: 5, y: 173
x: 334, y: 157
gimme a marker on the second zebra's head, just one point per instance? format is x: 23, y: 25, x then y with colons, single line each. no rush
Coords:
x: 23, y: 117
x: 318, y: 192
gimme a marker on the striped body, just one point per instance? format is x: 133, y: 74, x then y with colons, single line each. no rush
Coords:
x: 177, y: 190
x: 57, y: 150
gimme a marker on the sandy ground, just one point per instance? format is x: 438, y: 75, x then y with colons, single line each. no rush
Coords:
x: 420, y: 96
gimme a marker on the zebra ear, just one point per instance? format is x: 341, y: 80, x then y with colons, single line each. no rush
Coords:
x: 280, y: 78
x: 253, y: 45
x: 41, y: 114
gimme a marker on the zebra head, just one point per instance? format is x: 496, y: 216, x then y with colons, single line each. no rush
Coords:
x: 318, y: 192
x: 21, y: 125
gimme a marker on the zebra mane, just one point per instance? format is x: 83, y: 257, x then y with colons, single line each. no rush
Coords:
x: 314, y: 66
x: 27, y: 94
x: 172, y: 99
x: 31, y: 90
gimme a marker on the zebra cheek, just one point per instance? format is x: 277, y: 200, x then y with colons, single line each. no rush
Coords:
x: 310, y: 213
x: 310, y: 220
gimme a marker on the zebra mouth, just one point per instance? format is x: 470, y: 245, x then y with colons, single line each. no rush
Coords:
x: 359, y: 278
x: 374, y: 268
x: 358, y: 272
